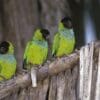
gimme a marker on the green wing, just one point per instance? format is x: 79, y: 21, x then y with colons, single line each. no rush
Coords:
x: 0, y: 73
x: 0, y: 68
x: 26, y: 50
x: 55, y: 44
x: 45, y: 52
x: 25, y: 55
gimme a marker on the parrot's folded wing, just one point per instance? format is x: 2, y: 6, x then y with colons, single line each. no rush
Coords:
x: 1, y: 76
x: 26, y: 50
x: 45, y: 53
x: 55, y: 43
x: 0, y: 68
x: 26, y: 53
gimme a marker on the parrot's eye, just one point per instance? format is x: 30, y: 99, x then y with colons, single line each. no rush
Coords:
x: 4, y: 46
x: 67, y: 22
x: 45, y: 33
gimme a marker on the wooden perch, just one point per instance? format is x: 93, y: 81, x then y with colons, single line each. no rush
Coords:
x: 55, y: 67
x: 86, y: 72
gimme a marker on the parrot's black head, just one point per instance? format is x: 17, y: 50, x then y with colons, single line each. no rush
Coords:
x: 67, y: 22
x: 45, y: 33
x: 4, y: 47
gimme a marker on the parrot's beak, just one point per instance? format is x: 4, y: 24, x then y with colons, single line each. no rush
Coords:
x: 47, y: 37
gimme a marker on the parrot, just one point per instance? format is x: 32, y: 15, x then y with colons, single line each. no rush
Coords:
x: 36, y: 50
x: 7, y: 61
x: 64, y: 39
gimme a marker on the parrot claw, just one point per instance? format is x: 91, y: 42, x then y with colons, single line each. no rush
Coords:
x: 25, y: 71
x: 58, y: 58
x: 48, y: 62
x: 40, y: 66
x: 1, y: 83
x: 76, y: 50
x: 22, y: 72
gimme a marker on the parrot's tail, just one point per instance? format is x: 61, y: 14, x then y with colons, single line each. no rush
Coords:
x: 24, y: 64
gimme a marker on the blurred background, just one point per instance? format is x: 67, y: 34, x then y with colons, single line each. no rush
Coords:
x: 19, y: 19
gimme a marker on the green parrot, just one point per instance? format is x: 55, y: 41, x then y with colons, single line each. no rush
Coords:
x: 7, y: 61
x: 37, y: 49
x: 64, y: 40
x: 36, y: 53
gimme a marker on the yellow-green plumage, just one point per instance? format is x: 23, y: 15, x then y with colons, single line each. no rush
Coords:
x: 7, y: 64
x: 64, y: 41
x: 36, y: 50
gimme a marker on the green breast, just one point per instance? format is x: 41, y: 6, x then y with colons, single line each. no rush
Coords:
x: 7, y: 66
x: 37, y: 52
x: 67, y: 42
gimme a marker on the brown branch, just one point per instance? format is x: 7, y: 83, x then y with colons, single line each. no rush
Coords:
x: 55, y: 67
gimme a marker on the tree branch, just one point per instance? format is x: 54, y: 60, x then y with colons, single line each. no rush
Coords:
x: 55, y: 67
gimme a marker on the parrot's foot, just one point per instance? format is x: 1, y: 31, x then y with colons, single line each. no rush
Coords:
x: 2, y: 82
x: 58, y: 58
x: 40, y: 66
x: 25, y: 71
x: 53, y: 58
x: 48, y: 62
x: 76, y: 50
x: 22, y: 72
